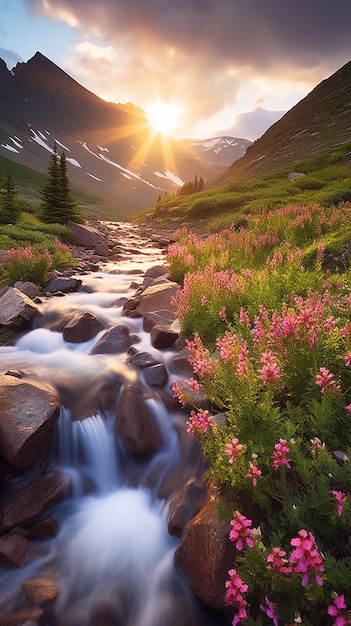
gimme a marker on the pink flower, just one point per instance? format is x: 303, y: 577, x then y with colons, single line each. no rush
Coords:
x: 271, y: 610
x: 305, y: 559
x: 339, y: 610
x: 348, y: 408
x: 244, y: 317
x: 347, y: 359
x: 325, y: 380
x: 233, y: 449
x: 200, y: 421
x: 253, y: 473
x: 178, y: 393
x: 279, y: 455
x: 340, y: 498
x: 222, y: 314
x: 278, y: 562
x: 194, y: 384
x: 240, y: 531
x: 235, y: 588
x: 270, y: 370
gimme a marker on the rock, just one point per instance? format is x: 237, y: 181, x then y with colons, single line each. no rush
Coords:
x: 29, y: 503
x: 180, y: 363
x: 157, y: 297
x: 142, y: 359
x: 158, y: 318
x: 62, y: 284
x: 82, y: 328
x: 101, y: 249
x: 185, y: 505
x: 155, y: 375
x: 86, y: 236
x: 16, y: 309
x: 17, y: 551
x: 156, y: 271
x: 114, y: 341
x: 40, y: 591
x: 30, y: 289
x: 162, y: 337
x: 29, y: 412
x: 45, y: 528
x: 205, y: 555
x: 136, y: 426
x: 295, y: 175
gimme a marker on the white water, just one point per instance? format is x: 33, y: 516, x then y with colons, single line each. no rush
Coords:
x: 113, y: 556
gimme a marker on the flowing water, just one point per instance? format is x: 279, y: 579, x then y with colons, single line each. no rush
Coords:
x: 113, y: 556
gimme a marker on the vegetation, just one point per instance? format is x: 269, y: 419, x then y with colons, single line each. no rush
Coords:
x: 265, y: 306
x: 58, y: 205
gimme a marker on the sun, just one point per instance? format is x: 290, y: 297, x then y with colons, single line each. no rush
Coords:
x: 163, y: 117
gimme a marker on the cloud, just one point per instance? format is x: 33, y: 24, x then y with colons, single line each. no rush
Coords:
x: 252, y: 124
x: 201, y: 52
x: 10, y: 57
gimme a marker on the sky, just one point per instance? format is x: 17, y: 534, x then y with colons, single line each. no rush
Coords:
x: 199, y: 68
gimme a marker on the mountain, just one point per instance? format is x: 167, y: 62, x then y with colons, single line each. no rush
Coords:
x: 218, y: 150
x: 320, y: 122
x: 111, y: 150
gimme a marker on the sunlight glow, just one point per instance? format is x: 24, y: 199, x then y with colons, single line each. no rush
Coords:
x: 163, y: 117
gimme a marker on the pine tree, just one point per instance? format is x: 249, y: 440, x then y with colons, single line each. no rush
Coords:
x: 8, y: 206
x: 58, y: 205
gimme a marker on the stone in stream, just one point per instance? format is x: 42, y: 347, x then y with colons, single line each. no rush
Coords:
x: 136, y: 426
x: 40, y: 591
x: 16, y: 309
x: 29, y: 412
x: 16, y: 551
x: 115, y: 340
x: 82, y: 328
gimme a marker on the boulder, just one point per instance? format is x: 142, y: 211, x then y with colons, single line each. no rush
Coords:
x: 136, y: 426
x: 155, y: 375
x: 26, y: 617
x: 86, y: 236
x: 157, y: 297
x: 180, y: 363
x: 63, y: 284
x: 16, y: 309
x: 45, y: 529
x: 29, y: 412
x: 30, y: 289
x: 142, y: 359
x: 205, y: 555
x: 29, y: 503
x: 158, y: 318
x: 162, y: 337
x: 40, y: 591
x: 101, y: 249
x: 114, y: 341
x: 16, y: 551
x: 185, y: 505
x: 82, y: 328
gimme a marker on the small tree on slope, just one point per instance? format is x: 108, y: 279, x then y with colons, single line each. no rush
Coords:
x: 58, y: 205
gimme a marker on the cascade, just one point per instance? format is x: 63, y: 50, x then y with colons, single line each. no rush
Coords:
x: 112, y: 555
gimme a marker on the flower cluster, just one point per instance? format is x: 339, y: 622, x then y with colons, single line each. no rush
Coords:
x: 338, y: 610
x: 305, y: 558
x: 200, y: 422
x: 241, y: 532
x: 234, y: 449
x: 340, y: 498
x: 279, y: 456
x: 234, y: 595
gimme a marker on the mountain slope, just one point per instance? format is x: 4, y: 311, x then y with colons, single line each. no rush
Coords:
x: 319, y: 122
x: 111, y: 150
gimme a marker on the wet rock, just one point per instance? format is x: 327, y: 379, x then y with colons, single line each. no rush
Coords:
x: 16, y: 551
x: 158, y: 318
x: 156, y: 271
x: 162, y: 337
x: 31, y: 501
x: 101, y: 249
x: 157, y: 297
x: 105, y: 613
x: 156, y: 375
x: 16, y: 309
x: 114, y: 341
x: 45, y: 528
x: 142, y: 359
x: 62, y: 284
x: 29, y: 412
x: 205, y: 555
x: 82, y: 328
x: 185, y: 505
x: 39, y: 591
x: 136, y: 426
x: 130, y: 306
x: 86, y: 236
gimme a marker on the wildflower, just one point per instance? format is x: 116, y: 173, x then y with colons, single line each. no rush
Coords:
x: 347, y: 359
x: 348, y: 408
x: 244, y: 317
x: 204, y: 300
x: 240, y: 531
x: 242, y: 368
x: 270, y: 370
x: 279, y: 455
x: 278, y: 562
x: 270, y: 610
x: 178, y: 393
x: 316, y: 444
x: 340, y: 498
x: 200, y: 421
x: 253, y: 473
x: 305, y: 559
x: 325, y: 380
x: 233, y: 449
x: 339, y: 610
x: 194, y: 384
x: 199, y: 356
x: 235, y: 588
x: 222, y: 314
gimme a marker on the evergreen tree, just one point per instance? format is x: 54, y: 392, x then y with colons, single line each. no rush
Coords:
x: 8, y: 206
x: 58, y: 205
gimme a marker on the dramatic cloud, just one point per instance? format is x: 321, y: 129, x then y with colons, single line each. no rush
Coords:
x: 202, y: 52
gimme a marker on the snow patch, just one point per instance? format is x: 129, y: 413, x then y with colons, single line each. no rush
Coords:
x: 73, y: 162
x: 16, y: 141
x: 92, y: 176
x: 10, y: 148
x: 40, y: 142
x: 170, y: 176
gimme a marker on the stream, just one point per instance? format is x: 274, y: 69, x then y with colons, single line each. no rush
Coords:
x: 113, y: 557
